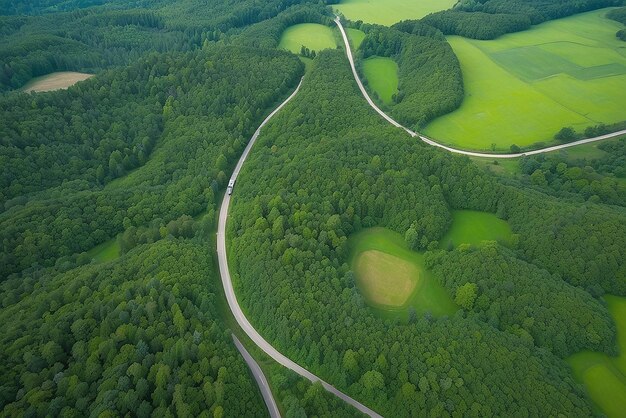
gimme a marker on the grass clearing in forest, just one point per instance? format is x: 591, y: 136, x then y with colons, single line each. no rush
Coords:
x: 381, y: 74
x: 355, y: 37
x: 473, y: 227
x: 54, y: 81
x: 314, y: 36
x: 107, y: 251
x: 604, y: 377
x: 522, y: 88
x: 393, y: 279
x: 388, y: 12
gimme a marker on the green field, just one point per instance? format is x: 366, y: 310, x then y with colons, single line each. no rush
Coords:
x: 473, y: 227
x: 381, y: 74
x: 388, y: 12
x: 393, y: 278
x: 356, y: 37
x: 107, y: 251
x: 314, y: 36
x: 524, y: 87
x: 604, y: 377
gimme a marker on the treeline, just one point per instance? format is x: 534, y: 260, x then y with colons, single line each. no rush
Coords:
x: 85, y: 38
x: 619, y: 15
x: 210, y: 102
x: 492, y: 18
x: 430, y: 82
x: 137, y: 336
x: 520, y: 298
x: 326, y: 167
x: 586, y: 179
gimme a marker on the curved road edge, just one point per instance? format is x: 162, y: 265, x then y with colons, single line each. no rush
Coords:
x: 260, y: 379
x: 447, y: 148
x: 243, y: 322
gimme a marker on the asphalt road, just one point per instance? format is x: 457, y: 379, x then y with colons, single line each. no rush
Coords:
x: 260, y: 379
x: 232, y: 298
x: 450, y: 149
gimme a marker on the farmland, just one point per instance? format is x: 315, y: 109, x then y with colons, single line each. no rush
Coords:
x: 390, y: 11
x: 522, y: 88
x: 382, y: 76
x: 314, y: 36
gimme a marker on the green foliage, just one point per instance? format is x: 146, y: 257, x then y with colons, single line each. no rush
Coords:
x: 201, y: 137
x: 492, y: 18
x: 140, y: 335
x: 326, y: 166
x: 430, y: 80
x: 466, y: 295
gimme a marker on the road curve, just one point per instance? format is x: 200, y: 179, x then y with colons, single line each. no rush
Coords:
x: 260, y: 379
x: 230, y: 292
x: 447, y: 148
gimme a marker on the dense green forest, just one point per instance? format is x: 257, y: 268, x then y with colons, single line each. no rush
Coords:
x: 429, y: 74
x: 492, y: 18
x: 209, y: 102
x: 326, y: 167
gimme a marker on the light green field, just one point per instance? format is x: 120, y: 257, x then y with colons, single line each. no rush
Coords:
x: 355, y: 37
x: 383, y: 263
x: 388, y: 12
x: 314, y: 36
x: 604, y: 377
x: 54, y: 81
x: 524, y: 87
x: 382, y: 76
x: 473, y: 227
x: 107, y: 251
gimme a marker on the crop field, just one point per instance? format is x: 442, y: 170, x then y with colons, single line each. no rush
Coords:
x: 356, y: 37
x: 382, y: 76
x: 388, y: 12
x: 314, y: 36
x: 524, y: 87
x: 392, y: 278
x: 106, y: 251
x: 473, y: 227
x: 54, y: 81
x: 604, y: 377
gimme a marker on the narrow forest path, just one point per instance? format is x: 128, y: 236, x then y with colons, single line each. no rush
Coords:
x: 447, y: 148
x: 229, y: 290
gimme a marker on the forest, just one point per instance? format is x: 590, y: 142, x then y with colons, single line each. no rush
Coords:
x: 492, y: 18
x: 430, y: 80
x: 302, y: 194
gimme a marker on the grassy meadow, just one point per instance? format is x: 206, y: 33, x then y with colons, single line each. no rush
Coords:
x: 314, y: 36
x: 473, y: 227
x: 388, y: 12
x: 381, y: 74
x: 355, y: 37
x: 524, y: 87
x: 392, y: 278
x: 107, y: 251
x: 604, y: 377
x: 54, y: 81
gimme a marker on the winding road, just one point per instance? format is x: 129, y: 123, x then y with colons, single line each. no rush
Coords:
x: 447, y: 148
x: 243, y: 322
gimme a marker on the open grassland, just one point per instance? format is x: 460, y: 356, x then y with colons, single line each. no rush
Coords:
x: 356, y: 37
x: 393, y: 278
x: 107, y: 251
x: 386, y: 279
x: 54, y: 81
x: 388, y: 12
x: 524, y: 87
x: 381, y: 74
x: 314, y: 36
x: 604, y: 377
x: 473, y: 227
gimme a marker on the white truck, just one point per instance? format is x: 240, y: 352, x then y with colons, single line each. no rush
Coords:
x: 231, y: 185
